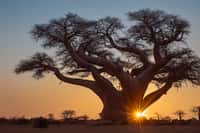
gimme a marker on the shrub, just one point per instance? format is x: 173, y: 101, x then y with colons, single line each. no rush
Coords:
x: 40, y: 122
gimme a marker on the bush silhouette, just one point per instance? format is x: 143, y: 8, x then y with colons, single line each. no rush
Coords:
x: 40, y: 122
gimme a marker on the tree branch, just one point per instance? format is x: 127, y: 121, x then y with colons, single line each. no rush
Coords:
x: 41, y: 63
x: 156, y: 53
x: 154, y: 96
x: 77, y: 71
x: 81, y: 82
x: 108, y: 66
x: 135, y: 50
x: 148, y: 74
x: 152, y: 69
x: 92, y: 85
x: 102, y: 82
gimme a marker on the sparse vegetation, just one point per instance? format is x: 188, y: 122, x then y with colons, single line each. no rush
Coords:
x: 180, y: 114
x: 39, y: 122
x: 68, y: 114
x: 51, y: 116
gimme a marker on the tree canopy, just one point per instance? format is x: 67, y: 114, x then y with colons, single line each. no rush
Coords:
x: 152, y: 49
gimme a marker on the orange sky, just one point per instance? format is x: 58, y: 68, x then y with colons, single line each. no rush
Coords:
x: 23, y: 96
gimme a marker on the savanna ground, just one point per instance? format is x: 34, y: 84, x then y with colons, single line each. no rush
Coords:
x: 99, y: 129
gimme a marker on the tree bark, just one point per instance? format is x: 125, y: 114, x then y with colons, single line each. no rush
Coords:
x: 113, y: 109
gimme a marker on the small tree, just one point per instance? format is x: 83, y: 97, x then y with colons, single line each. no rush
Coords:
x: 180, y: 114
x: 68, y: 114
x: 196, y: 110
x: 51, y: 116
x: 158, y: 116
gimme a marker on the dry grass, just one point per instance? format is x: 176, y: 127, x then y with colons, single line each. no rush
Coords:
x: 99, y: 129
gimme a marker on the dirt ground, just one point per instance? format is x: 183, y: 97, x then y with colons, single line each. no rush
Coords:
x: 99, y: 129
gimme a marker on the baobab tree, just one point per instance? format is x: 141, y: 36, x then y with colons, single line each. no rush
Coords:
x: 180, y: 114
x: 115, y: 61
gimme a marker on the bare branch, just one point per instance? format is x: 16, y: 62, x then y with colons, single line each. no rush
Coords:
x: 154, y: 96
x: 41, y: 63
x: 148, y: 74
x: 158, y: 28
x: 105, y: 84
x: 140, y: 53
x: 77, y: 71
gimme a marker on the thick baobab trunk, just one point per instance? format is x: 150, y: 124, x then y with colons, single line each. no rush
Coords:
x: 118, y: 110
x: 113, y: 112
x: 123, y: 105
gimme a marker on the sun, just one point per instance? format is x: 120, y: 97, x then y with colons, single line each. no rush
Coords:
x: 139, y: 114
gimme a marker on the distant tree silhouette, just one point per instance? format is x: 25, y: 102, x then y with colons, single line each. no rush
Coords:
x: 40, y: 122
x: 68, y: 114
x: 122, y: 60
x: 196, y: 110
x: 167, y: 118
x: 3, y: 120
x: 51, y: 116
x: 158, y: 116
x: 180, y: 114
x: 83, y: 117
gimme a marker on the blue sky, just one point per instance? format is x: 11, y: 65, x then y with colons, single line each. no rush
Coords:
x: 18, y: 17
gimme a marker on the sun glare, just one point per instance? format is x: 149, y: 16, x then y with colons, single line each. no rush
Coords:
x: 140, y: 114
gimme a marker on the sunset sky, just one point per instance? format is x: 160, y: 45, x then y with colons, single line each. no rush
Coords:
x: 21, y: 95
